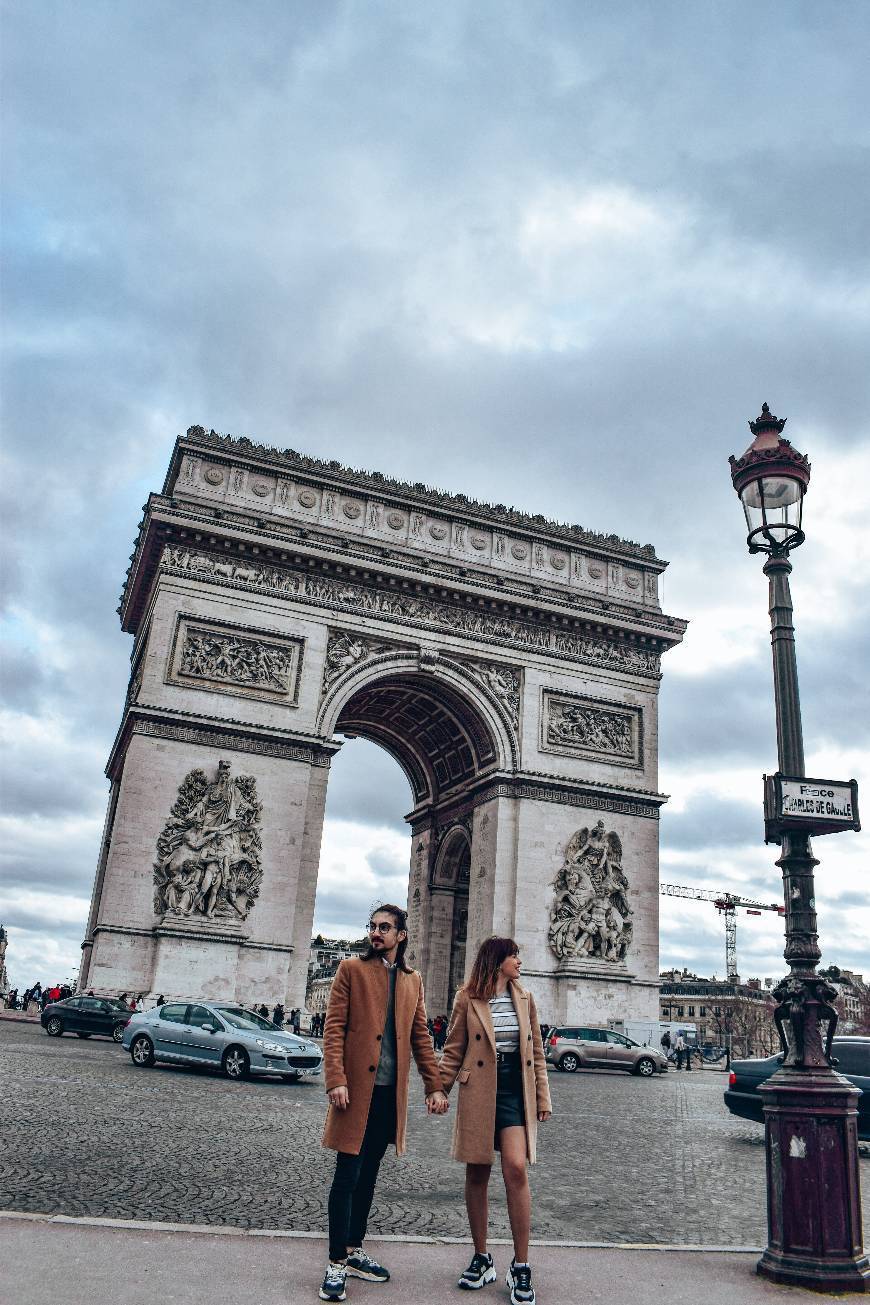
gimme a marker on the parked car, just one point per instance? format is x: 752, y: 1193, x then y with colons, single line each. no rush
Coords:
x: 105, y: 1016
x: 572, y: 1048
x: 852, y: 1054
x: 220, y: 1035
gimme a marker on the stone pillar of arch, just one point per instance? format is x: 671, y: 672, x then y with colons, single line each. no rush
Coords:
x: 279, y: 604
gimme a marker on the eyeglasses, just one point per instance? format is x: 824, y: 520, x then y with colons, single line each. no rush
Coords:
x: 382, y: 927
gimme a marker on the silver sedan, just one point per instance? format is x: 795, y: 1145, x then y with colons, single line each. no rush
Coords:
x: 221, y: 1035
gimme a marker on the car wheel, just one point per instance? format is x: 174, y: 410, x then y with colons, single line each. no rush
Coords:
x: 645, y: 1067
x: 569, y: 1063
x: 142, y: 1051
x: 83, y: 1035
x: 236, y: 1063
x: 54, y: 1026
x: 117, y: 1033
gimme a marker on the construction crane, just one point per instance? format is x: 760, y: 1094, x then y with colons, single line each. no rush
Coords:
x: 726, y: 904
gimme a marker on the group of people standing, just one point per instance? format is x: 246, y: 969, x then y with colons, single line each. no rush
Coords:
x: 375, y: 1023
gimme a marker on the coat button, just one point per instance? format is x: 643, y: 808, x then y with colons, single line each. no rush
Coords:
x: 477, y: 1035
x: 371, y: 1069
x: 380, y: 1035
x: 480, y: 1064
x: 528, y: 1062
x: 529, y: 1038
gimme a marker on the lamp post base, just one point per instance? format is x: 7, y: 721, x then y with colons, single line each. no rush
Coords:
x: 813, y: 1184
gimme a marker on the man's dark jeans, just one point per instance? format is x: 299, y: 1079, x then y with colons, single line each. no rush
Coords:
x: 353, y: 1186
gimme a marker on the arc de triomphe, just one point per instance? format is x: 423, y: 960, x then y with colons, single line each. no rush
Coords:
x: 509, y: 664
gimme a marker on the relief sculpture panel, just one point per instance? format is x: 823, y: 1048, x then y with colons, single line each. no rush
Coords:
x: 208, y: 856
x: 593, y: 728
x: 590, y: 915
x: 226, y: 659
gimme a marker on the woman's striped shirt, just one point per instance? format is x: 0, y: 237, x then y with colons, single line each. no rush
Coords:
x: 504, y: 1018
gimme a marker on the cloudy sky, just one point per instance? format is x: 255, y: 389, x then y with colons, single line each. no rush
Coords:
x: 550, y: 254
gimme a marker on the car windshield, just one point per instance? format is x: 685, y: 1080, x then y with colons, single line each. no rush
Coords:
x: 244, y: 1019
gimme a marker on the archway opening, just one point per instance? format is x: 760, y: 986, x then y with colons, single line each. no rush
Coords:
x: 444, y: 745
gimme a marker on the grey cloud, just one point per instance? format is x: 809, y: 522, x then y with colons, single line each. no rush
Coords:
x: 708, y: 823
x: 366, y: 785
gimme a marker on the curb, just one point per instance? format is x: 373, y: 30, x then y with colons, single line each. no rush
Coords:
x: 230, y: 1230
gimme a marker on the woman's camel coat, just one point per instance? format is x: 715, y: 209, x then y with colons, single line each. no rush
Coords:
x: 469, y: 1056
x: 352, y: 1046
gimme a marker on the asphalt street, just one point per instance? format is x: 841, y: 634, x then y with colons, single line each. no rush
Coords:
x: 624, y: 1160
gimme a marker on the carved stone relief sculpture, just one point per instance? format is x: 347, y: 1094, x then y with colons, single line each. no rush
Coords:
x: 208, y: 856
x: 591, y: 728
x: 238, y: 660
x: 590, y: 915
x: 503, y: 682
x: 346, y: 650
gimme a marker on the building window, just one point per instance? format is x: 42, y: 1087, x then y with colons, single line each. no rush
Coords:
x: 717, y: 1010
x: 679, y: 1012
x: 691, y: 1010
x: 702, y: 1010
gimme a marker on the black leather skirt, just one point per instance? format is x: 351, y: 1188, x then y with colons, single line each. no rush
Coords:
x: 509, y: 1108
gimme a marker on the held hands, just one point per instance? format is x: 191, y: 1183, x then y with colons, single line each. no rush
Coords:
x: 437, y: 1103
x: 544, y: 1115
x: 339, y: 1097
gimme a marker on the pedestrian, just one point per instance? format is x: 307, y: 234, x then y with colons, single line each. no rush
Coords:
x: 278, y: 1015
x: 680, y: 1050
x: 161, y: 999
x: 263, y: 1011
x: 375, y: 1022
x: 296, y: 1020
x: 494, y: 1048
x: 689, y: 1050
x: 139, y: 1003
x: 666, y: 1041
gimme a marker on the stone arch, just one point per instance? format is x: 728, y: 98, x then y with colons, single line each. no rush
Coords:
x: 443, y: 726
x: 451, y: 874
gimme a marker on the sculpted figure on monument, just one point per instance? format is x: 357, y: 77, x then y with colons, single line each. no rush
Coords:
x: 590, y: 915
x: 209, y: 852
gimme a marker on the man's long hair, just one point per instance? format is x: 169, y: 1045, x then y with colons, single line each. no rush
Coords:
x: 400, y: 919
x: 484, y: 972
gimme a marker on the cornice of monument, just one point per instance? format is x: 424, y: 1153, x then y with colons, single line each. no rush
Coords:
x: 238, y: 448
x: 285, y: 543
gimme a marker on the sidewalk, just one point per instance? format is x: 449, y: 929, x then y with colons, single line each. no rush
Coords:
x: 47, y: 1260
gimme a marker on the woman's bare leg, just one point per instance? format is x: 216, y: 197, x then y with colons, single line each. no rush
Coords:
x: 512, y: 1143
x: 477, y: 1203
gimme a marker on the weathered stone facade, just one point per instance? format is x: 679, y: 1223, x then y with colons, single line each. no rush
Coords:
x: 511, y: 666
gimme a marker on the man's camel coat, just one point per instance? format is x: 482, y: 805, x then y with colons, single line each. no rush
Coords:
x: 469, y: 1056
x: 352, y: 1037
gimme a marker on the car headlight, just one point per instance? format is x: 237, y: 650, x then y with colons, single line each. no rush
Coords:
x: 271, y: 1046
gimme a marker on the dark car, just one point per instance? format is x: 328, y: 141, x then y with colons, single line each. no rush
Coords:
x: 852, y: 1054
x: 106, y: 1016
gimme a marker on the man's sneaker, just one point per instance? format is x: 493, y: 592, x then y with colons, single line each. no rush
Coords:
x: 480, y: 1271
x: 360, y: 1265
x: 519, y: 1281
x: 332, y: 1287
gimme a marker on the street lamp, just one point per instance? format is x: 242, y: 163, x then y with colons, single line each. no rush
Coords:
x: 810, y: 1111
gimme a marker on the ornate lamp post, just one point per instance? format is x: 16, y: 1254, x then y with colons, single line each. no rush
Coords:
x: 813, y: 1194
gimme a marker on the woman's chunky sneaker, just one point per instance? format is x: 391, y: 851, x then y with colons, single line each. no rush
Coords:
x: 332, y: 1287
x: 360, y: 1265
x: 480, y: 1271
x: 519, y: 1281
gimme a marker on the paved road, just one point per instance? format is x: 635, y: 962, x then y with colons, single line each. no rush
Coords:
x: 83, y: 1132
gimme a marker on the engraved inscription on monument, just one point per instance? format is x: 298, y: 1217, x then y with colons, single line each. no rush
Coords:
x: 208, y: 856
x: 240, y: 661
x: 590, y: 915
x: 593, y: 728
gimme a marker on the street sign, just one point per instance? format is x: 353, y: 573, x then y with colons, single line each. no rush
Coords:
x: 816, y: 806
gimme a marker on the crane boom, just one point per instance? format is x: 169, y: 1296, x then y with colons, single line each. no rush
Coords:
x: 726, y: 904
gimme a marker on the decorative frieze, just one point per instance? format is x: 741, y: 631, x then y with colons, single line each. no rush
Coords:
x: 203, y: 736
x: 208, y: 856
x: 239, y: 660
x: 596, y: 729
x: 411, y: 609
x: 590, y: 915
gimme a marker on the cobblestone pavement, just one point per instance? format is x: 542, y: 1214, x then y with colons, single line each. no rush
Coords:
x: 83, y: 1132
